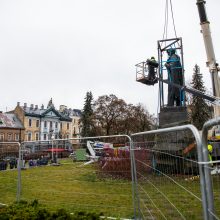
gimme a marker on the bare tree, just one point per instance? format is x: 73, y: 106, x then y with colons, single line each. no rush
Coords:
x: 107, y: 110
x: 115, y: 116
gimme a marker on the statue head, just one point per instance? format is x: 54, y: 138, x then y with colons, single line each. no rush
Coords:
x: 171, y: 51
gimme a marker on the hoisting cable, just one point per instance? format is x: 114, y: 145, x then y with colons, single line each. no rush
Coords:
x: 171, y: 8
x: 165, y: 28
x: 168, y: 6
x: 166, y: 22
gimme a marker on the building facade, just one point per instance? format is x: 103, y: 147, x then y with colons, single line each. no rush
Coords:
x: 75, y: 115
x: 42, y: 124
x: 11, y: 130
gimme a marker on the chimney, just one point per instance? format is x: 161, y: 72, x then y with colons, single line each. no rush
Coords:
x: 62, y: 108
x: 36, y: 107
x: 42, y: 107
x: 18, y: 103
x: 32, y: 106
x: 25, y: 105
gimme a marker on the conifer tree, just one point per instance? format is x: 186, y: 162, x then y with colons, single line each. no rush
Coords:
x: 200, y: 111
x: 87, y: 116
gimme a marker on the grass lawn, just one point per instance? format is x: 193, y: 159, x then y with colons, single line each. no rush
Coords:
x: 70, y: 186
x: 78, y: 188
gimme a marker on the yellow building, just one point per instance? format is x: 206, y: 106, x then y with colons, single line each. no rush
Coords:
x: 41, y: 124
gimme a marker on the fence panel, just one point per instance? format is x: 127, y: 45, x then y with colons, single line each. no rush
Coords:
x: 211, y: 166
x: 9, y: 152
x: 59, y: 174
x: 167, y: 171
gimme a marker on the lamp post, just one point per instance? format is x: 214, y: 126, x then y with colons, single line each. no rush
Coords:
x: 56, y: 152
x: 52, y: 138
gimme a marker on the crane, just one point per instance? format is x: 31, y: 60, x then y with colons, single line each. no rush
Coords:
x: 211, y: 60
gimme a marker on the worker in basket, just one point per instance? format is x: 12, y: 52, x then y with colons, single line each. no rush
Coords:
x: 152, y: 66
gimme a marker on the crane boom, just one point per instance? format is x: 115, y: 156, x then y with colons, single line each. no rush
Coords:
x: 211, y: 60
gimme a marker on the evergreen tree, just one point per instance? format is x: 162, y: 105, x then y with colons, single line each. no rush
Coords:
x: 200, y: 111
x: 87, y: 116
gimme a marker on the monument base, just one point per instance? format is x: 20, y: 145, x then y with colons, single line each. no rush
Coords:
x: 173, y: 116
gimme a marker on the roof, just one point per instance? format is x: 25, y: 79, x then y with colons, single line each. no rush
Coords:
x: 36, y: 112
x: 33, y: 111
x: 72, y: 112
x: 9, y: 120
x: 78, y: 112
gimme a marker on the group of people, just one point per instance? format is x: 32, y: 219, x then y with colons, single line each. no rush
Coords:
x: 12, y: 162
x: 174, y: 72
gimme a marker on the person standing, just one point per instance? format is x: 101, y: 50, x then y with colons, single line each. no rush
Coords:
x: 152, y: 65
x: 210, y: 150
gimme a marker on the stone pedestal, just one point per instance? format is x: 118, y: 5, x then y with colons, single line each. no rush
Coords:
x: 173, y: 116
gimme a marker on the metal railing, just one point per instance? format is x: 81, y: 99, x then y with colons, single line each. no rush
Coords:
x: 126, y: 169
x: 9, y: 152
x: 170, y: 168
x: 169, y: 175
x: 211, y: 167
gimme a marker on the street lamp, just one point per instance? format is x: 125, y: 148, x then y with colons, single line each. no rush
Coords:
x: 52, y: 138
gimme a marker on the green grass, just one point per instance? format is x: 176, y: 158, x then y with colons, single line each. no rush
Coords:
x: 78, y: 188
x: 159, y: 193
x: 71, y: 186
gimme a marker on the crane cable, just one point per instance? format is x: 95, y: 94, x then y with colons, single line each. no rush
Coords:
x: 174, y: 27
x: 166, y: 22
x: 165, y: 30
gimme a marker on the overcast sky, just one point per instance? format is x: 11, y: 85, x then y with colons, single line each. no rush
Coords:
x: 61, y: 49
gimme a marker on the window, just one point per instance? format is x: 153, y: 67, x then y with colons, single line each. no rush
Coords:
x: 68, y: 126
x: 29, y: 122
x: 45, y: 124
x: 16, y: 137
x: 61, y: 125
x: 51, y: 124
x: 45, y: 136
x: 29, y: 136
x: 37, y: 123
x: 74, y: 130
x: 56, y: 125
x: 67, y: 136
x: 56, y: 136
x: 9, y: 137
x: 1, y: 137
x: 37, y: 136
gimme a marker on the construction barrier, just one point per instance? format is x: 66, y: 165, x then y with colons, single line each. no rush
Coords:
x: 168, y: 173
x: 79, y: 174
x: 9, y: 154
x: 211, y: 168
x: 168, y: 177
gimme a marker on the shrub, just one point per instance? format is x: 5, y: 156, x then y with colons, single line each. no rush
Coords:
x: 34, y: 211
